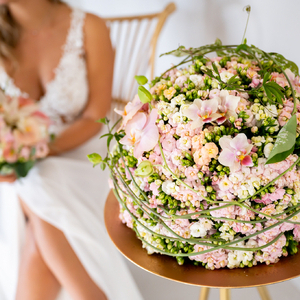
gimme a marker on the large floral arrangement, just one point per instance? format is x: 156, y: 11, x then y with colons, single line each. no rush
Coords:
x: 24, y: 134
x: 206, y: 163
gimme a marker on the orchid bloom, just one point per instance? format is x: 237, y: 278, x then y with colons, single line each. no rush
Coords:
x: 130, y: 110
x: 235, y: 152
x: 227, y: 106
x: 141, y: 133
x: 201, y: 112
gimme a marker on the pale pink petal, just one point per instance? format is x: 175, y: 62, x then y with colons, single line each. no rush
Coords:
x: 247, y: 161
x: 148, y: 140
x: 235, y: 167
x: 223, y: 94
x: 198, y: 123
x: 290, y: 74
x: 210, y: 104
x: 240, y: 142
x: 225, y: 142
x: 152, y: 117
x: 191, y: 112
x: 231, y: 113
x: 232, y: 102
x: 227, y: 158
x: 198, y: 102
x: 137, y: 122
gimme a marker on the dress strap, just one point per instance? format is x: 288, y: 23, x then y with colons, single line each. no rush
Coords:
x: 75, y: 38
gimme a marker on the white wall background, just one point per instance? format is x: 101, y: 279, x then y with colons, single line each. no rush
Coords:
x: 274, y: 26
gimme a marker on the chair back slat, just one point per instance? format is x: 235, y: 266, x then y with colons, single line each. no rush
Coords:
x: 134, y: 40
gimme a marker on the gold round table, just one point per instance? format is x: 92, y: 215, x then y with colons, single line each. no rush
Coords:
x: 130, y: 246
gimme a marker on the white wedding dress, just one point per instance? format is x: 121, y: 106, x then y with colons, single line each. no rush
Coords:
x: 65, y: 191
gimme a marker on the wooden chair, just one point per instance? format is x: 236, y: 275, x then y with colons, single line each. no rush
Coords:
x: 134, y: 40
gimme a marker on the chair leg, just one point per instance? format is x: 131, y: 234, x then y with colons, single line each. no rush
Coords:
x: 204, y: 293
x: 264, y: 293
x: 224, y: 294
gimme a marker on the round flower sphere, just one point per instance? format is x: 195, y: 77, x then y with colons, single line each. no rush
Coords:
x: 206, y: 169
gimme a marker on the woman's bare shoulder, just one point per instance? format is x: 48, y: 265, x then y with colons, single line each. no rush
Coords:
x: 95, y: 25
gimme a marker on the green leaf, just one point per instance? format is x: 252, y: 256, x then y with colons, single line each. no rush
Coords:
x: 242, y: 47
x: 109, y: 140
x: 103, y: 121
x: 215, y: 69
x: 272, y: 88
x: 233, y: 80
x: 285, y: 142
x: 144, y: 95
x: 94, y: 158
x: 104, y: 135
x: 267, y: 77
x: 22, y: 169
x: 102, y: 166
x: 285, y: 63
x: 141, y: 80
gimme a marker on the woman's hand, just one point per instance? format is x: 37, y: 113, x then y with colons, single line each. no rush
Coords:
x: 8, y: 178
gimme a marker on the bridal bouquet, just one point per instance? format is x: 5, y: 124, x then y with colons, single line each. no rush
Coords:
x: 205, y: 165
x: 23, y: 135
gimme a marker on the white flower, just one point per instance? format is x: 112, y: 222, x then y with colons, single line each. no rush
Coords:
x: 178, y: 100
x: 271, y: 110
x: 267, y: 149
x: 225, y: 76
x: 169, y: 187
x: 269, y: 139
x: 258, y: 140
x: 255, y: 181
x: 225, y: 184
x: 245, y: 256
x: 198, y: 230
x: 233, y: 260
x: 197, y: 80
x: 177, y: 118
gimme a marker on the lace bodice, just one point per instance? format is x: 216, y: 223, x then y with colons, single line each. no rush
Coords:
x: 67, y: 94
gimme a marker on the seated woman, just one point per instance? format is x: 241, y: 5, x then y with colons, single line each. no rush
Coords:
x: 63, y: 58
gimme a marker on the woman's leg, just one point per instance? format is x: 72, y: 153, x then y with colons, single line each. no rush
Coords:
x: 35, y: 281
x: 62, y: 260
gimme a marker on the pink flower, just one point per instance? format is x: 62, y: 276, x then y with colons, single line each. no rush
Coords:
x: 141, y: 132
x: 191, y: 173
x: 168, y: 142
x: 130, y: 110
x: 10, y: 154
x: 201, y: 112
x: 181, y: 80
x: 227, y: 106
x: 235, y: 152
x: 25, y: 153
x: 42, y: 150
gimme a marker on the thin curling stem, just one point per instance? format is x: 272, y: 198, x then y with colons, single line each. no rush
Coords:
x: 248, y: 10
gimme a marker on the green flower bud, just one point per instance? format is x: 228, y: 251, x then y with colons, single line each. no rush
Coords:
x: 95, y: 158
x: 209, y: 189
x: 144, y: 169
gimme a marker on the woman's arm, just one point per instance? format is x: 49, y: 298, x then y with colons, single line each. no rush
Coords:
x: 99, y: 61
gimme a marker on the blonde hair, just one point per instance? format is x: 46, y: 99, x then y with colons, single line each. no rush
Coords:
x: 9, y: 32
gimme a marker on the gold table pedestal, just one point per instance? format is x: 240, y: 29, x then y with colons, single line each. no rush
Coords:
x: 225, y: 293
x: 165, y: 266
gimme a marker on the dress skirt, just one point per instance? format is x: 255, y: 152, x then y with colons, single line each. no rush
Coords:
x: 67, y: 192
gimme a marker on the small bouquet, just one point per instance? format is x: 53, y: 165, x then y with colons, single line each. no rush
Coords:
x: 205, y: 165
x: 23, y: 134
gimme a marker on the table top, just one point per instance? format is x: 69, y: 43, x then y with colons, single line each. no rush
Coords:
x: 165, y: 266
